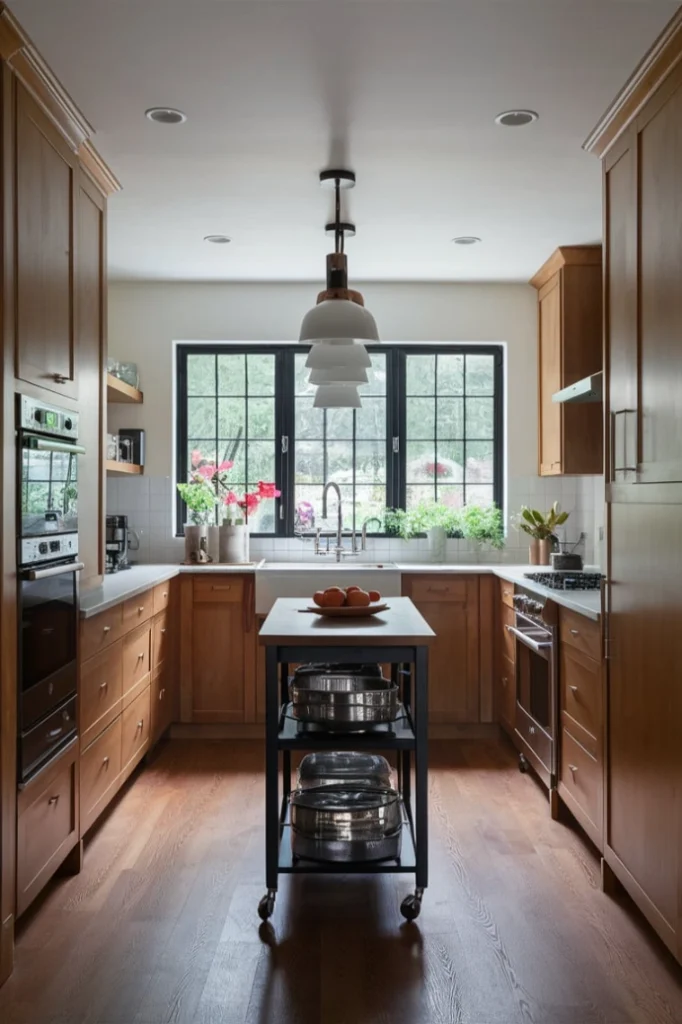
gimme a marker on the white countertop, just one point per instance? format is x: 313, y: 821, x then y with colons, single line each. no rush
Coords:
x: 130, y: 582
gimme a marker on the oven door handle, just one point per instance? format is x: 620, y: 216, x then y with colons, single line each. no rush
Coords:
x: 57, y: 570
x: 43, y: 444
x: 538, y: 646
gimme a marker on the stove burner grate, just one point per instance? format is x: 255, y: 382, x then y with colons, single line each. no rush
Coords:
x: 566, y: 580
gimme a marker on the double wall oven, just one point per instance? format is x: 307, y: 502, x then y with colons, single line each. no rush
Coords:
x: 48, y: 567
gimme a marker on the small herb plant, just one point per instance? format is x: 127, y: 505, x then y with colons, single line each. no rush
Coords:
x: 200, y: 501
x: 472, y: 522
x: 539, y: 526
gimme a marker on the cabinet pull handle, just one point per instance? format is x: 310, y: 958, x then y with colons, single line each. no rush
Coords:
x: 575, y: 632
x: 573, y: 689
x: 140, y: 723
x: 573, y: 768
x: 161, y: 693
x: 105, y: 761
x: 163, y: 630
x: 504, y: 680
x: 227, y: 586
x: 53, y: 800
x: 165, y: 593
x: 438, y: 590
x: 506, y: 593
x: 140, y: 657
x: 59, y: 378
x: 531, y: 730
x: 140, y: 609
x: 106, y: 629
x: 103, y: 686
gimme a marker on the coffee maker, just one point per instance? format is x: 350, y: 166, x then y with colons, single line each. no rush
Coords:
x: 116, y: 543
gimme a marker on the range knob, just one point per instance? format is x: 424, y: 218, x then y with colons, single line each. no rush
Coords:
x: 534, y: 607
x: 520, y: 601
x: 68, y: 423
x: 42, y: 548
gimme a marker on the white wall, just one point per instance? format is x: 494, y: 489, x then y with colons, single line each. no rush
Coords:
x: 146, y: 318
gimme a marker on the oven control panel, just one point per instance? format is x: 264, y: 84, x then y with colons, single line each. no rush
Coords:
x: 48, y: 419
x: 48, y: 549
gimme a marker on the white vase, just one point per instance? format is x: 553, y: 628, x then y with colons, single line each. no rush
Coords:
x: 437, y: 538
x: 214, y: 543
x: 234, y: 543
x: 196, y: 543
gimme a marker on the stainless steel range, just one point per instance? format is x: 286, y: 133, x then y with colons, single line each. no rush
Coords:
x: 535, y: 635
x: 562, y: 579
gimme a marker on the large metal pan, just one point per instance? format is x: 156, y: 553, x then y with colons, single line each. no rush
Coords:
x: 340, y: 699
x: 342, y: 824
x: 344, y: 767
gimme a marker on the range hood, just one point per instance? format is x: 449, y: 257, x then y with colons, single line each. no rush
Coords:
x: 589, y: 389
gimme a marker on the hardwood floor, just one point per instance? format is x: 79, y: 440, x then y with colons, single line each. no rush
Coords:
x: 161, y: 924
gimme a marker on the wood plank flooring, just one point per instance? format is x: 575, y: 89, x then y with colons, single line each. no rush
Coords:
x: 161, y: 924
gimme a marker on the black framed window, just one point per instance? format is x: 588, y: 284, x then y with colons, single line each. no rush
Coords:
x: 430, y: 428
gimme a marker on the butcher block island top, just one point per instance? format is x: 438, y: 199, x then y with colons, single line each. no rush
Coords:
x: 289, y: 621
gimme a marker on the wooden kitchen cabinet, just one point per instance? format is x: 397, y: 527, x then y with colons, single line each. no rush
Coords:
x: 639, y: 140
x: 46, y: 172
x: 569, y: 289
x: 218, y: 648
x: 505, y: 662
x: 450, y: 605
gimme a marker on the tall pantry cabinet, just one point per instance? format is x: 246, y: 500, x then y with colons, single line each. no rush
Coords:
x: 53, y: 313
x: 640, y: 143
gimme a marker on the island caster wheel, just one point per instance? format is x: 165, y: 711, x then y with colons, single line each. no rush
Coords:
x: 411, y: 905
x: 266, y: 907
x: 523, y: 764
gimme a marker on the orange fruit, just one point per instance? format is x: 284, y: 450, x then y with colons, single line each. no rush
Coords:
x: 353, y: 587
x: 374, y: 596
x: 334, y: 597
x: 318, y: 598
x: 358, y: 599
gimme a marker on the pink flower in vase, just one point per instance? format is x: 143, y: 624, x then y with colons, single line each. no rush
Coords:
x: 268, y: 490
x: 207, y: 472
x: 230, y: 498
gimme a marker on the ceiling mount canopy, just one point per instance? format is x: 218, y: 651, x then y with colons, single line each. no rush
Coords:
x: 340, y: 311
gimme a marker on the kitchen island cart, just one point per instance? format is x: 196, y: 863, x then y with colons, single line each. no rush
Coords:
x: 398, y: 636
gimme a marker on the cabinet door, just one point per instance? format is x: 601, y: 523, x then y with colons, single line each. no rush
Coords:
x: 219, y: 651
x: 46, y: 171
x: 90, y: 353
x: 644, y: 767
x: 660, y: 253
x: 550, y: 377
x: 450, y: 606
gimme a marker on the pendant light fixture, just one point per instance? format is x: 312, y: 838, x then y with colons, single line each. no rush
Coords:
x: 337, y: 396
x: 340, y: 311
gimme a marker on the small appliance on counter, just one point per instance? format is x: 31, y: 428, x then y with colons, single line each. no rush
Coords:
x: 48, y: 567
x: 118, y: 543
x: 131, y: 444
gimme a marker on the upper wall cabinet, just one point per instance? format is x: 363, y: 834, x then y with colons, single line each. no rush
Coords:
x: 46, y: 170
x: 569, y: 289
x: 643, y: 189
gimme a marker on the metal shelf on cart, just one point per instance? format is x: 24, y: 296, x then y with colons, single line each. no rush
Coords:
x: 295, y: 735
x: 406, y: 864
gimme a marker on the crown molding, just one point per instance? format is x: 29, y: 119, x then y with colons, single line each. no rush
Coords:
x: 101, y: 174
x: 567, y: 256
x: 663, y: 57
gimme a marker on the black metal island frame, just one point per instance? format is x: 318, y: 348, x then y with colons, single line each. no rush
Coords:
x: 398, y: 636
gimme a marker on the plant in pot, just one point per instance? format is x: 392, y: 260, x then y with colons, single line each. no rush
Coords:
x: 200, y: 501
x: 540, y: 528
x: 234, y: 533
x: 473, y: 522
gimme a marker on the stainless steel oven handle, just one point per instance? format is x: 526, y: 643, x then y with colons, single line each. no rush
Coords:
x: 57, y: 570
x: 42, y: 444
x: 543, y: 645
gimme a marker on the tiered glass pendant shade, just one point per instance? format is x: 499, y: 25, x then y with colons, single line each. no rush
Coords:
x: 339, y: 375
x: 337, y: 396
x: 327, y: 355
x: 339, y: 318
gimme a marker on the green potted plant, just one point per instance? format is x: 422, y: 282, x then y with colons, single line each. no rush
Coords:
x: 540, y: 528
x: 200, y: 501
x: 472, y: 522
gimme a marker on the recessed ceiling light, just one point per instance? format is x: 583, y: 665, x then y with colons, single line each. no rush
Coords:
x: 165, y: 115
x: 217, y: 239
x: 516, y: 118
x: 466, y: 240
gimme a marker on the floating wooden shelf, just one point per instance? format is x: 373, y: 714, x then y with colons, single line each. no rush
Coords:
x: 112, y: 466
x: 119, y: 391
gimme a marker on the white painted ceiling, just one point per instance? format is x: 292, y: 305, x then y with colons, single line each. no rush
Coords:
x: 402, y: 91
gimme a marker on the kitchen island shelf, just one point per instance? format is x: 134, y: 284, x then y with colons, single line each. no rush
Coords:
x: 399, y: 637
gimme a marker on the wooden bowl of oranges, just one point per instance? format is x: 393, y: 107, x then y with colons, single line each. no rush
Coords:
x: 347, y: 602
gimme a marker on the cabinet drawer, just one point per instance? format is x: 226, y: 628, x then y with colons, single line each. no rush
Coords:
x: 532, y: 734
x: 160, y: 640
x: 100, y: 768
x: 135, y: 729
x: 507, y: 641
x: 136, y: 661
x: 161, y: 596
x: 100, y: 631
x: 580, y: 632
x: 136, y: 610
x: 581, y: 776
x: 507, y: 593
x: 46, y: 826
x: 101, y: 688
x: 162, y: 700
x: 581, y: 696
x: 218, y: 588
x: 439, y: 588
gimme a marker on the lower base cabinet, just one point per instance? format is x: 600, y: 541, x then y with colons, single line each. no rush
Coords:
x: 135, y: 731
x: 47, y: 825
x: 100, y: 769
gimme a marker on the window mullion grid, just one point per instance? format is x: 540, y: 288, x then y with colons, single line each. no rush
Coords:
x: 464, y: 431
x: 435, y: 428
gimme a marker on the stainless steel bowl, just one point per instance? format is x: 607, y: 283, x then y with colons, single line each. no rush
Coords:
x: 343, y: 701
x: 337, y: 767
x: 344, y: 824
